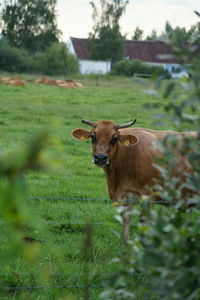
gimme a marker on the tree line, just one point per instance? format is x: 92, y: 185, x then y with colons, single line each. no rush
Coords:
x: 180, y: 34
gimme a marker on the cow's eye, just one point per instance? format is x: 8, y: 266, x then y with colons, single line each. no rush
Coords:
x: 93, y: 137
x: 114, y: 140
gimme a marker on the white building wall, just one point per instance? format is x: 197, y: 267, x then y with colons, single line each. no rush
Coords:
x: 94, y: 67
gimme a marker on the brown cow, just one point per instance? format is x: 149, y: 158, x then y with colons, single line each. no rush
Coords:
x: 70, y: 84
x: 17, y: 82
x: 6, y: 80
x: 127, y: 156
x: 65, y: 83
x: 45, y: 80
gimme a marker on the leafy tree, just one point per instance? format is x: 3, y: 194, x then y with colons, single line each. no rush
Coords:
x: 106, y: 41
x: 180, y: 34
x: 182, y: 40
x: 138, y: 33
x: 153, y: 36
x: 30, y: 24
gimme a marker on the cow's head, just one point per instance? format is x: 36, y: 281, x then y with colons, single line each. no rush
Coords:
x: 105, y: 137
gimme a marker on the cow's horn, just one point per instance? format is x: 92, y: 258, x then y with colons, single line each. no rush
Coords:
x: 89, y: 123
x: 125, y: 125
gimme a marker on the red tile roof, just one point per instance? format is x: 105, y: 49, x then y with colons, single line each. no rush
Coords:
x: 80, y: 47
x: 147, y: 51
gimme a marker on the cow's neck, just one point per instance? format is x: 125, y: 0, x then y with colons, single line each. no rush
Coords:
x: 119, y: 169
x: 118, y: 162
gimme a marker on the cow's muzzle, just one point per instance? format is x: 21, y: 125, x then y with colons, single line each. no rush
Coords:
x: 101, y: 159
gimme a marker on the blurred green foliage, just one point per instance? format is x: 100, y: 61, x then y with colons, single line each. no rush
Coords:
x: 13, y: 205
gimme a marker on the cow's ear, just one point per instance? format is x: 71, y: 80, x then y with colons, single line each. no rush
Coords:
x: 128, y: 139
x: 81, y: 134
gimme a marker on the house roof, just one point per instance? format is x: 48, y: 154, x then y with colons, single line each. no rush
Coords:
x: 147, y: 51
x: 80, y: 48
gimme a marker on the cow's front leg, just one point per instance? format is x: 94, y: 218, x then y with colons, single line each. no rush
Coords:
x: 124, y: 201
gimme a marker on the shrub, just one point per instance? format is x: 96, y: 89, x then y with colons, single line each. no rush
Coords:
x: 132, y: 66
x: 12, y: 59
x: 55, y: 61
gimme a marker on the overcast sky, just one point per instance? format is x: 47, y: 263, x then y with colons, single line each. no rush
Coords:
x: 75, y: 16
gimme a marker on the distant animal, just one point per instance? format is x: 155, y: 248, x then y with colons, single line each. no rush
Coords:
x: 65, y: 83
x: 127, y: 156
x: 45, y: 80
x: 7, y: 80
x: 17, y: 82
x: 70, y: 84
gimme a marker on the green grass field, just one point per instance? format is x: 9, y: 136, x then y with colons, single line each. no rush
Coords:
x: 29, y: 109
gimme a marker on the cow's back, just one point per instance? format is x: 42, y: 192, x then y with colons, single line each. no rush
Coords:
x: 159, y: 134
x: 140, y: 158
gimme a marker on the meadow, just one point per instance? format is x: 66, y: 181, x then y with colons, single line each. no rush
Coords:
x: 27, y: 110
